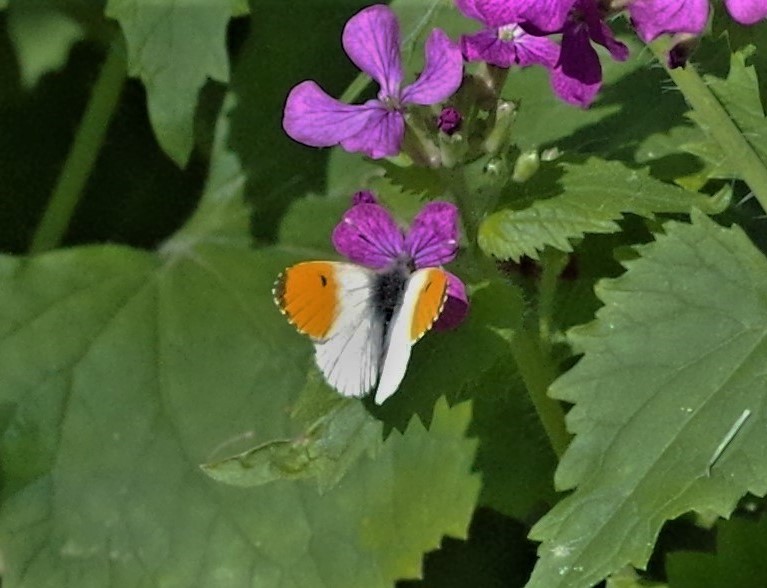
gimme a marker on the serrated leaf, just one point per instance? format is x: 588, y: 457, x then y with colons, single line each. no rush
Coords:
x: 738, y: 561
x: 174, y: 48
x: 740, y: 97
x: 669, y: 413
x: 42, y: 36
x: 589, y: 198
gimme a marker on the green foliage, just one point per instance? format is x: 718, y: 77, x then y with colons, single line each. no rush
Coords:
x: 514, y: 456
x: 575, y: 199
x: 339, y: 433
x: 676, y: 427
x: 174, y: 49
x: 42, y: 35
x: 146, y: 363
x: 161, y: 424
x: 739, y: 95
x: 738, y: 561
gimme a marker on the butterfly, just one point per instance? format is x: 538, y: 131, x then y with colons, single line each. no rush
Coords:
x: 363, y: 322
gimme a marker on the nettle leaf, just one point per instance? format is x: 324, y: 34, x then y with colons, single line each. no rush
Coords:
x: 739, y: 95
x: 42, y: 36
x: 677, y: 427
x: 121, y: 371
x: 174, y: 48
x: 739, y: 560
x: 589, y: 198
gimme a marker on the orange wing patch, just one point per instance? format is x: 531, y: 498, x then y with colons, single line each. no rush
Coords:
x: 431, y: 301
x: 307, y: 294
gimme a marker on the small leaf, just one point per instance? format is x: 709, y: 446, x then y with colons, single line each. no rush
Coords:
x: 42, y: 36
x: 174, y: 48
x: 590, y: 198
x: 680, y: 425
x: 330, y: 445
x: 739, y: 559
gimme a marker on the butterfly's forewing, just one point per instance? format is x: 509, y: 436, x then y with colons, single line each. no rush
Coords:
x: 307, y: 294
x: 422, y: 304
x: 332, y: 302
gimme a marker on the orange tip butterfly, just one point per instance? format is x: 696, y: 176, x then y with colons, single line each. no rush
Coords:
x: 362, y: 322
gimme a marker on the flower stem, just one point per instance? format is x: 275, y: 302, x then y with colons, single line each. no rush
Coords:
x: 741, y: 156
x: 538, y: 373
x: 459, y: 189
x: 85, y: 148
x: 553, y: 262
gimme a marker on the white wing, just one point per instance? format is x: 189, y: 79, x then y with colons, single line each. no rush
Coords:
x: 414, y: 317
x: 350, y: 356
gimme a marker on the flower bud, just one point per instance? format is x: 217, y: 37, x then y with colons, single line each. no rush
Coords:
x: 526, y: 166
x: 449, y: 120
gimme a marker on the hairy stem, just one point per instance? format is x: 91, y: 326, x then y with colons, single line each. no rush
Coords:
x: 538, y: 373
x: 85, y: 148
x: 741, y: 155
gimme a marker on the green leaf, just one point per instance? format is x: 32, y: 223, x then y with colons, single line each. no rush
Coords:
x: 123, y: 370
x: 589, y: 198
x: 42, y: 36
x: 174, y: 48
x: 514, y: 456
x: 739, y: 95
x: 738, y: 561
x: 677, y: 427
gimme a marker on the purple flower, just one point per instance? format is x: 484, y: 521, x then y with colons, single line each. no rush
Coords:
x: 369, y: 236
x: 653, y: 18
x: 747, y: 12
x: 545, y: 16
x: 506, y: 44
x: 577, y: 73
x: 376, y: 128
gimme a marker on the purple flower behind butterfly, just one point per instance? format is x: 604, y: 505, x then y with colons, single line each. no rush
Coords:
x: 369, y: 235
x: 376, y: 128
x: 577, y: 73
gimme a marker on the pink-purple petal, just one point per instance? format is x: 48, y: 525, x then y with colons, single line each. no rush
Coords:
x: 578, y: 75
x: 747, y: 12
x: 653, y: 18
x: 380, y: 137
x: 456, y: 305
x: 433, y: 236
x: 313, y: 118
x: 371, y: 40
x: 468, y: 8
x: 522, y: 50
x: 368, y: 235
x: 598, y: 31
x: 442, y: 72
x: 548, y: 16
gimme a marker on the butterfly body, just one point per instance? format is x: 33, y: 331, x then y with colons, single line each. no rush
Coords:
x: 363, y: 322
